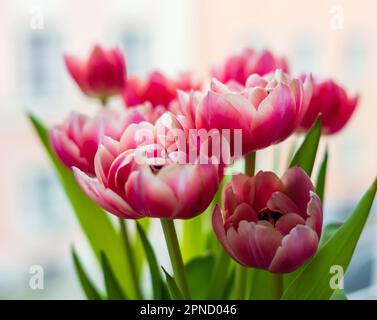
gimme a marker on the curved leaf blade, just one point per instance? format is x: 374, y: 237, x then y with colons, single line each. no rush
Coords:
x: 218, y: 280
x: 86, y: 284
x: 198, y: 271
x: 313, y: 281
x: 159, y: 290
x: 306, y: 154
x: 174, y: 291
x: 321, y: 178
x: 113, y: 288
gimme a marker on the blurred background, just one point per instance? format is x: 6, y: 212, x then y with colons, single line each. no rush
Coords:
x: 336, y: 38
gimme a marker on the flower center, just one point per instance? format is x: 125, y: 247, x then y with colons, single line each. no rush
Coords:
x: 270, y: 216
x: 156, y: 168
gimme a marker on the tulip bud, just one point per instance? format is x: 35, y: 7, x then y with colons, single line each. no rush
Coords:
x: 102, y: 75
x: 331, y: 102
x: 240, y: 66
x: 157, y: 89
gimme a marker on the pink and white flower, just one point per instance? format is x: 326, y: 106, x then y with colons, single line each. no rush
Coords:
x: 102, y: 75
x: 269, y: 223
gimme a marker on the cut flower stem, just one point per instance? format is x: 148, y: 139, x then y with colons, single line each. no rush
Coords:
x: 277, y: 286
x: 175, y: 256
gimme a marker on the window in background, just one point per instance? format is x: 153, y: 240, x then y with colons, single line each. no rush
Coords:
x: 355, y: 60
x: 360, y: 272
x: 44, y: 201
x: 136, y: 46
x: 305, y: 55
x: 40, y: 64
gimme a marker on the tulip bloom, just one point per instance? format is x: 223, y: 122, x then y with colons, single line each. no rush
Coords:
x: 239, y: 67
x: 269, y: 223
x: 102, y: 75
x: 141, y: 176
x: 76, y: 140
x: 156, y: 89
x: 267, y: 110
x: 332, y: 102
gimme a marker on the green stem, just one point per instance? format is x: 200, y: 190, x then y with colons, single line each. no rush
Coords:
x: 250, y: 163
x: 277, y: 286
x: 241, y: 282
x: 130, y: 257
x: 291, y: 150
x: 175, y: 256
x: 104, y: 102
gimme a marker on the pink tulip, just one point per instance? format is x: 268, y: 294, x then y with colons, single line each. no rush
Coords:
x: 332, y: 102
x: 240, y: 66
x: 102, y: 75
x: 269, y: 223
x: 157, y: 89
x: 267, y: 110
x: 141, y: 176
x: 76, y: 140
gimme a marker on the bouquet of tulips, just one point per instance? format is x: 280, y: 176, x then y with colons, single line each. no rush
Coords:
x: 183, y: 153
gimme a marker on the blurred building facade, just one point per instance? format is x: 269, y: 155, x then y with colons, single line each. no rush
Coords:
x: 329, y: 38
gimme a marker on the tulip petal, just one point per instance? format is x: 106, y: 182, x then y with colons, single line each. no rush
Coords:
x: 263, y: 241
x: 218, y: 228
x: 266, y: 183
x: 68, y: 151
x: 120, y: 170
x: 243, y: 186
x: 105, y: 198
x: 76, y: 68
x: 280, y: 202
x: 297, y: 186
x: 287, y: 222
x: 102, y: 163
x: 242, y: 212
x: 149, y: 195
x: 315, y: 215
x: 275, y: 119
x: 187, y: 183
x: 225, y: 111
x: 297, y: 247
x: 239, y: 242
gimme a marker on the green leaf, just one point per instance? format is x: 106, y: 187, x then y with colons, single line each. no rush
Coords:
x: 313, y: 281
x: 113, y: 288
x: 138, y: 247
x: 194, y: 236
x: 339, y: 295
x: 95, y: 223
x: 328, y: 231
x: 89, y: 289
x: 321, y: 178
x: 261, y: 285
x: 305, y: 155
x: 218, y: 280
x: 159, y: 291
x: 198, y: 271
x: 229, y: 284
x: 174, y: 291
